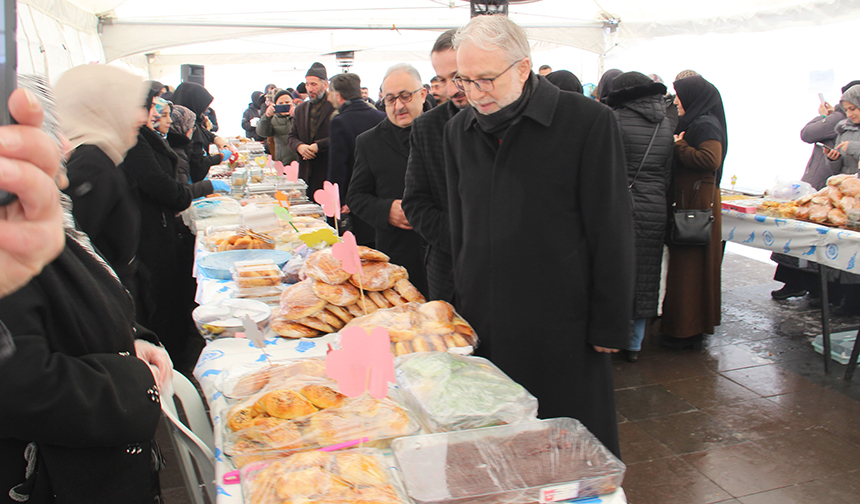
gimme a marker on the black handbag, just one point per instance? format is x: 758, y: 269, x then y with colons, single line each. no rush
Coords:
x: 689, y: 227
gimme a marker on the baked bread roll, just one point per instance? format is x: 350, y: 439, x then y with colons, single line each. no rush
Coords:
x: 379, y: 299
x: 240, y: 417
x: 290, y: 329
x: 405, y: 288
x: 251, y: 383
x: 299, y: 300
x: 339, y: 295
x: 360, y: 469
x: 327, y: 317
x: 274, y: 433
x: 378, y: 276
x: 362, y: 307
x: 420, y: 345
x: 402, y: 348
x: 393, y: 297
x: 437, y: 343
x: 286, y: 404
x: 316, y: 323
x: 323, y: 397
x: 369, y: 254
x: 323, y: 266
x: 341, y: 313
x: 454, y: 340
x: 850, y: 186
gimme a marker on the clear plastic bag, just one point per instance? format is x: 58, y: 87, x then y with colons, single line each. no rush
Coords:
x: 514, y: 464
x: 417, y: 327
x: 245, y: 380
x: 352, y: 476
x: 453, y: 392
x: 790, y: 190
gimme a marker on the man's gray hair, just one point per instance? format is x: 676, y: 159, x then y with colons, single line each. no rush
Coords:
x: 495, y: 31
x: 403, y: 68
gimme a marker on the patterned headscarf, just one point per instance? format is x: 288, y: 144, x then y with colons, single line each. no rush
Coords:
x: 183, y: 120
x: 161, y: 105
x: 686, y: 73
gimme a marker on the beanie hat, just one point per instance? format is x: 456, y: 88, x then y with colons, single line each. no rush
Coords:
x: 317, y: 70
x: 302, y: 89
x: 280, y: 93
x: 631, y: 86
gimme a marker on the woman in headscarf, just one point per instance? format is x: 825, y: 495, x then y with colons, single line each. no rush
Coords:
x: 565, y: 81
x: 102, y: 131
x: 151, y: 169
x: 78, y: 410
x: 648, y: 146
x: 197, y: 99
x: 845, y: 155
x: 604, y: 85
x: 278, y: 125
x: 179, y: 138
x: 692, y: 304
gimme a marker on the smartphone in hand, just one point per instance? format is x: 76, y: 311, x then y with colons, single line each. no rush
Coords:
x: 8, y: 73
x: 821, y: 97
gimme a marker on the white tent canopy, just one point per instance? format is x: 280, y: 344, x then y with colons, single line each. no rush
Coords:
x: 245, y: 45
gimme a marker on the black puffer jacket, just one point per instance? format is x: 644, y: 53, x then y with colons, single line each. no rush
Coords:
x: 181, y: 145
x: 638, y: 118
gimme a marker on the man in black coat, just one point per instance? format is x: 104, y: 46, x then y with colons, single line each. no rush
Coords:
x: 252, y: 116
x: 355, y: 117
x: 310, y: 133
x: 425, y: 199
x: 378, y: 180
x: 541, y: 227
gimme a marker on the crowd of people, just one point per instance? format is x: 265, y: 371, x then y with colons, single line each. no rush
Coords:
x: 539, y: 212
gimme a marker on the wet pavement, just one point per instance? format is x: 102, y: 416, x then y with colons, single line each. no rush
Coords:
x: 751, y: 418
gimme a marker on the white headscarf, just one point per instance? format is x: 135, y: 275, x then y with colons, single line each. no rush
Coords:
x: 99, y: 105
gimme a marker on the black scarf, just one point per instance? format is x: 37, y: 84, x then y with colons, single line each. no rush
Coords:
x: 497, y: 123
x: 402, y: 135
x: 700, y: 99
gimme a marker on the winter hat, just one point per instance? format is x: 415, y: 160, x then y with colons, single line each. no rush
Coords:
x: 632, y: 85
x: 296, y: 95
x: 302, y: 89
x: 255, y: 96
x: 317, y: 70
x: 686, y: 73
x: 183, y: 120
x: 281, y: 92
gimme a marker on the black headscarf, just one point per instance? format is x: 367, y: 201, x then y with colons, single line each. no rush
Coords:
x: 604, y: 85
x: 700, y: 99
x: 848, y: 86
x: 565, y: 81
x: 194, y: 97
x: 632, y: 85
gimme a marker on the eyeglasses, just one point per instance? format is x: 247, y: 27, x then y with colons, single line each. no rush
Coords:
x: 484, y: 85
x: 404, y: 96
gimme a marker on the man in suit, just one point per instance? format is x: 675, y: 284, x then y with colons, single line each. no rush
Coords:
x: 354, y: 117
x: 310, y: 132
x: 378, y: 180
x: 425, y: 199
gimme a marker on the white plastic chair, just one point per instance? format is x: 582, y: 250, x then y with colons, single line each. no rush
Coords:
x: 194, y: 444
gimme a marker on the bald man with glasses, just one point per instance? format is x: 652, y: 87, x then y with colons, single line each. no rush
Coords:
x: 379, y: 176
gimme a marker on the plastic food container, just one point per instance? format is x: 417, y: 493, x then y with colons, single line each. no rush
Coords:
x: 256, y: 273
x: 244, y: 380
x: 309, y: 210
x: 219, y: 264
x: 253, y: 434
x: 218, y: 211
x: 224, y: 318
x: 350, y: 476
x: 239, y: 177
x: 453, y: 392
x: 543, y: 461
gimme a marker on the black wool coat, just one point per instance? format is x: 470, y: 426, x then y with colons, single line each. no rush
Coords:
x: 181, y: 145
x: 105, y: 208
x: 151, y: 168
x: 76, y: 389
x: 354, y: 118
x: 313, y: 171
x: 638, y: 119
x: 197, y: 99
x: 542, y: 241
x: 425, y: 199
x: 378, y: 179
x: 251, y: 131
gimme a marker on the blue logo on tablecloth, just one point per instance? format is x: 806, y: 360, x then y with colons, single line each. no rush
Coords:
x: 839, y: 234
x: 822, y: 230
x: 787, y: 249
x: 810, y: 252
x: 780, y: 222
x: 304, y: 346
x: 851, y: 261
x: 210, y: 356
x: 218, y: 455
x: 222, y: 491
x: 211, y: 372
x: 732, y: 233
x: 760, y: 218
x: 216, y: 396
x: 832, y: 251
x: 224, y: 289
x: 262, y: 358
x: 767, y: 236
x: 750, y: 239
x: 268, y: 342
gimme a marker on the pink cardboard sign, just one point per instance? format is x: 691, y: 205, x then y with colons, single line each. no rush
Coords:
x: 329, y: 198
x: 364, y: 363
x: 347, y: 252
x: 291, y: 171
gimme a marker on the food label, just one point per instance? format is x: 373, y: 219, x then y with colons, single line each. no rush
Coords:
x: 559, y: 493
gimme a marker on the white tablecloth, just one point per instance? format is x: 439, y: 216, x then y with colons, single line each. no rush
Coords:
x: 221, y: 354
x: 833, y: 247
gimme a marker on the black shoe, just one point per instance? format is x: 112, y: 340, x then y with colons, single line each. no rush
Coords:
x: 631, y: 355
x: 787, y: 292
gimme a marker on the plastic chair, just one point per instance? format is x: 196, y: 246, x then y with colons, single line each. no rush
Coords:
x: 193, y: 444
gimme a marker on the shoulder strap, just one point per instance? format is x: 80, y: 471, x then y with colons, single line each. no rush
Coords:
x: 644, y: 157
